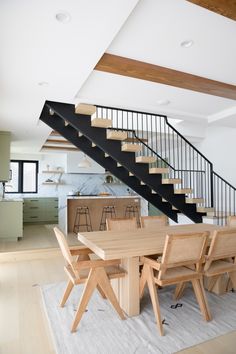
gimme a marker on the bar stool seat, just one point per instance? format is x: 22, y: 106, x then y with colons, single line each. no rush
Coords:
x: 82, y: 219
x: 108, y: 211
x: 132, y: 211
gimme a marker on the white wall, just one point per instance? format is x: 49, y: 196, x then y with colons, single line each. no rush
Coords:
x: 219, y: 147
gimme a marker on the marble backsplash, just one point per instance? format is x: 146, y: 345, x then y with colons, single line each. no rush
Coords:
x: 86, y: 184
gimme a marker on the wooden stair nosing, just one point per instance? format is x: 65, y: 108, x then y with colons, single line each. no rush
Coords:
x: 131, y: 147
x: 116, y: 135
x: 158, y: 170
x: 171, y: 181
x: 84, y: 108
x: 101, y: 123
x: 183, y: 191
x: 145, y: 159
x: 194, y: 200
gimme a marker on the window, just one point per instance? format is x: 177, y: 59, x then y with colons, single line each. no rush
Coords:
x: 24, y: 177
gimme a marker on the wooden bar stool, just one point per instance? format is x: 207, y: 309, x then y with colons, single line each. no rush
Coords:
x: 132, y: 211
x: 82, y: 219
x: 108, y: 212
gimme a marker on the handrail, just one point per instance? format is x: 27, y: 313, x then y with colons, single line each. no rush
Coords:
x: 188, y: 142
x: 224, y: 180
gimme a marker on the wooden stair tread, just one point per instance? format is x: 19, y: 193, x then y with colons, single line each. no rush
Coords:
x: 131, y: 147
x: 194, y: 200
x: 160, y: 170
x: 101, y: 123
x: 183, y: 191
x: 83, y: 108
x: 171, y: 180
x: 145, y: 159
x: 116, y: 134
x: 205, y: 210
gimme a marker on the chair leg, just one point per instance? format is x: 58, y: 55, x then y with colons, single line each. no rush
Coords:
x: 67, y: 292
x: 232, y: 276
x: 89, y: 287
x: 212, y: 282
x: 154, y: 298
x: 143, y: 280
x: 101, y: 292
x: 104, y: 283
x: 179, y: 290
x: 201, y: 298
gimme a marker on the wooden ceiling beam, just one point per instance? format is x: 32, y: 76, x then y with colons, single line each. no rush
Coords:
x: 58, y: 141
x: 225, y: 8
x: 59, y: 148
x: 137, y: 69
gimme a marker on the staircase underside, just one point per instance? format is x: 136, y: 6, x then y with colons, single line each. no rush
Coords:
x: 93, y: 141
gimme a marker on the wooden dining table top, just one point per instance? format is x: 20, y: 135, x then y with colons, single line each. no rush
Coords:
x: 126, y: 244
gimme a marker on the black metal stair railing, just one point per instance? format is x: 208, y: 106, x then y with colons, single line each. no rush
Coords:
x: 160, y: 139
x: 224, y: 199
x: 156, y: 137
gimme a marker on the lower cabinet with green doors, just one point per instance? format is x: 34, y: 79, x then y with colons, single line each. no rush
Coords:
x: 40, y: 210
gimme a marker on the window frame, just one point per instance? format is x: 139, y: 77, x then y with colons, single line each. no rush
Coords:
x: 21, y: 176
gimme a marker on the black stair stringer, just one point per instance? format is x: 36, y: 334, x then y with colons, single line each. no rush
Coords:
x: 126, y: 159
x: 98, y: 155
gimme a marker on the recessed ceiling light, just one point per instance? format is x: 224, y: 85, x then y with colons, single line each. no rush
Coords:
x: 63, y: 17
x: 163, y: 102
x: 187, y: 43
x: 43, y: 83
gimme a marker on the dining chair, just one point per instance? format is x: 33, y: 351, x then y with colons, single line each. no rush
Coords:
x: 121, y: 224
x: 182, y: 260
x: 220, y: 260
x: 221, y: 257
x: 231, y: 221
x: 94, y: 273
x: 153, y: 222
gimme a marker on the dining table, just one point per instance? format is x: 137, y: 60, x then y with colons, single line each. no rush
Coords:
x: 128, y: 246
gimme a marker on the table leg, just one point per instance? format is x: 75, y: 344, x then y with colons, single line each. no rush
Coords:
x: 129, y: 287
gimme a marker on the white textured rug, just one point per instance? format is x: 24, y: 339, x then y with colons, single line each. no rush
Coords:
x: 102, y: 332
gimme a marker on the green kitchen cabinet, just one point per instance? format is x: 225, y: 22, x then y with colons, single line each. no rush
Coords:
x: 5, y: 139
x: 40, y: 210
x: 11, y: 223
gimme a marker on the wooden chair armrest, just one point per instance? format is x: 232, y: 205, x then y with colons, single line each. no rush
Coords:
x: 151, y: 262
x: 78, y: 250
x: 96, y: 263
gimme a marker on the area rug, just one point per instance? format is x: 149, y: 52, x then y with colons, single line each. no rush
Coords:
x: 102, y: 332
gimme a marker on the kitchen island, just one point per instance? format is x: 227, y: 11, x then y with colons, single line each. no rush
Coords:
x: 95, y: 205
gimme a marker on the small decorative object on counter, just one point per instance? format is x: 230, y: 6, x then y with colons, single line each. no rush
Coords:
x: 109, y: 179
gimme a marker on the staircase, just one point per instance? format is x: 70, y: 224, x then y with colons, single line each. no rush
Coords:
x: 147, y: 154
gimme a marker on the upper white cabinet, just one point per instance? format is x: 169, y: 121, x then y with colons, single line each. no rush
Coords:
x: 5, y: 139
x: 73, y: 160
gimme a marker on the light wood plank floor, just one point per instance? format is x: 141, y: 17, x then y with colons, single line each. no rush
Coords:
x: 34, y: 237
x: 23, y: 326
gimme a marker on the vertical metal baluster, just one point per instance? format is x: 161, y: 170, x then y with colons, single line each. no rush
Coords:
x: 161, y: 139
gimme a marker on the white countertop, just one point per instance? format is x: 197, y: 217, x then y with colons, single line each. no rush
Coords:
x: 103, y: 197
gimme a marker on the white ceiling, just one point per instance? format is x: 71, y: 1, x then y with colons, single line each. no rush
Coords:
x: 35, y: 48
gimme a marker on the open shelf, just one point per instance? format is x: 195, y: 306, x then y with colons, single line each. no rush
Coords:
x: 56, y: 171
x: 49, y: 183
